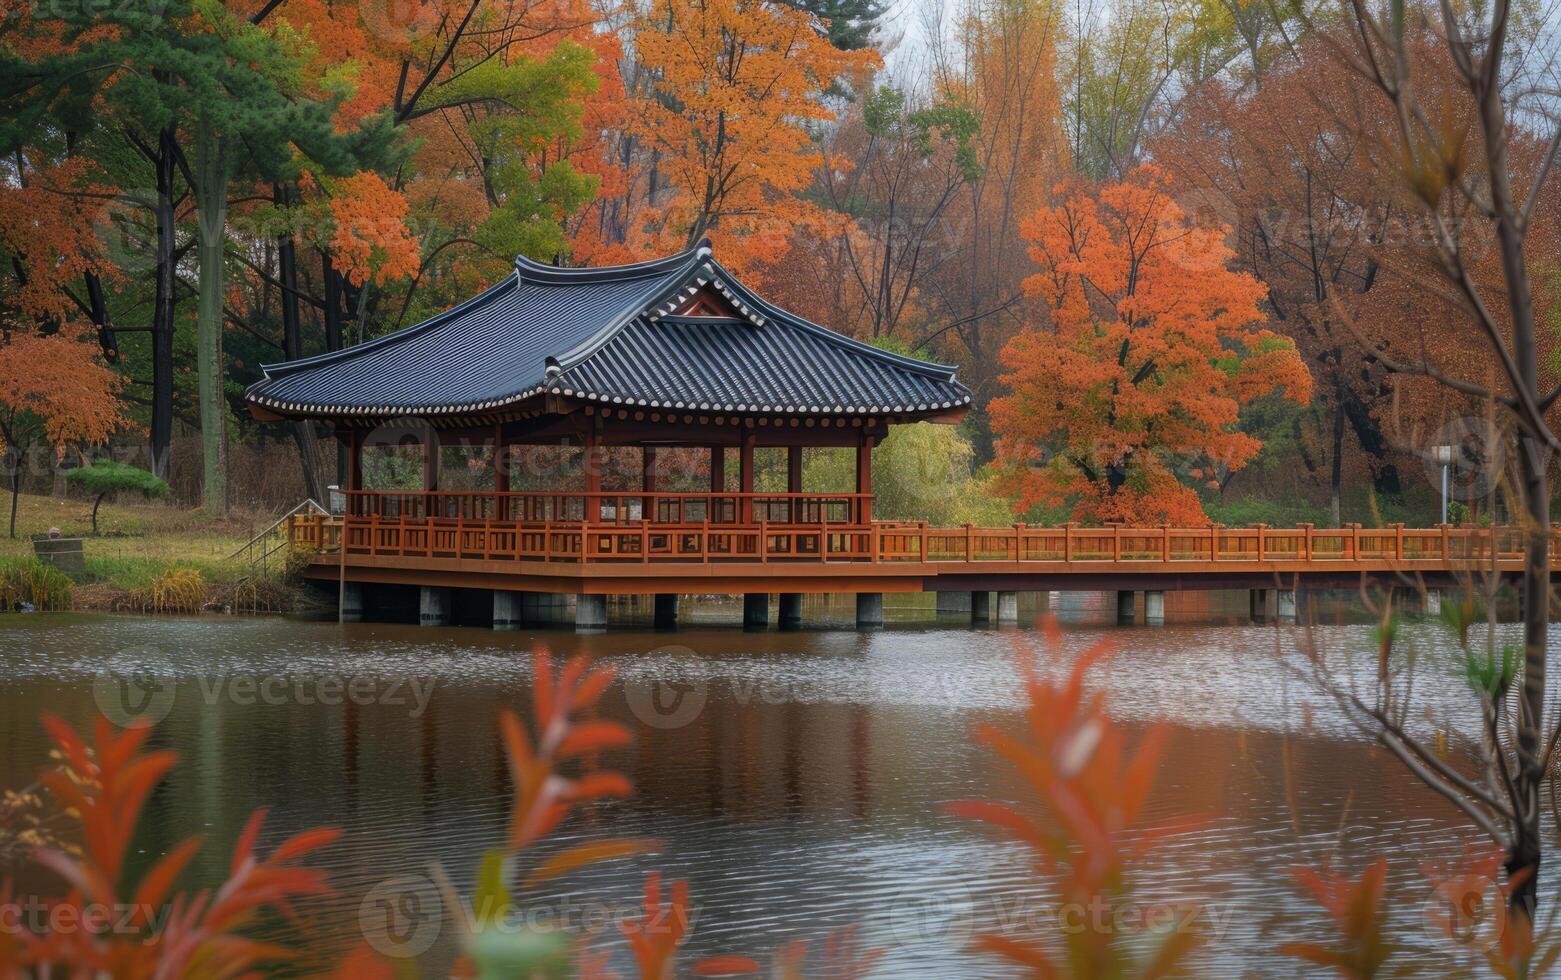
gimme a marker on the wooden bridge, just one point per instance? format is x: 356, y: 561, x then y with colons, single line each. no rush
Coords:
x: 757, y: 544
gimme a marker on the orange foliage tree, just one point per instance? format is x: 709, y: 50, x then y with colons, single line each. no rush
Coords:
x: 53, y: 386
x: 1154, y: 346
x: 737, y: 82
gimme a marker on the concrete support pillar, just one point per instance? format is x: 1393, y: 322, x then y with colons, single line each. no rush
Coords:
x: 953, y: 602
x: 756, y: 610
x: 1433, y: 602
x: 1154, y: 608
x: 590, y: 613
x: 433, y: 606
x: 538, y: 608
x: 980, y: 607
x: 666, y: 610
x: 351, y: 603
x: 790, y: 610
x: 1258, y: 601
x: 507, y: 614
x: 869, y: 610
x: 1126, y: 613
x: 1286, y: 603
x: 1007, y: 608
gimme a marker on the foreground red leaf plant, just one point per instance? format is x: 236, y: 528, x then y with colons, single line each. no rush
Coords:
x: 105, y: 926
x: 1092, y: 786
x: 1359, y: 914
x: 1470, y: 908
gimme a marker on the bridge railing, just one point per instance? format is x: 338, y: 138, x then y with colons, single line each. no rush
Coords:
x: 810, y: 529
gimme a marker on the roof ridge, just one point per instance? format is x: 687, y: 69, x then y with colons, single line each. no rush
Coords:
x: 535, y: 271
x: 943, y: 372
x: 692, y: 259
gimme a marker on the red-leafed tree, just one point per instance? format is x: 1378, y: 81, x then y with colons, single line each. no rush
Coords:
x: 1135, y: 387
x: 54, y: 387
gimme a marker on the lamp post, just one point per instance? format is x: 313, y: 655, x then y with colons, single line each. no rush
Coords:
x: 1443, y: 455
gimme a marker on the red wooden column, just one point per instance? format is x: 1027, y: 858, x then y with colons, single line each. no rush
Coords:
x: 864, y: 478
x: 714, y: 511
x: 648, y: 483
x: 591, y: 462
x: 501, y: 484
x: 430, y: 472
x: 354, y: 460
x: 352, y: 441
x: 745, y: 477
x: 794, y: 482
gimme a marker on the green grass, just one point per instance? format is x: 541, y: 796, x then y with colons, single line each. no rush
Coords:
x: 1415, y: 508
x: 138, y: 540
x: 31, y: 581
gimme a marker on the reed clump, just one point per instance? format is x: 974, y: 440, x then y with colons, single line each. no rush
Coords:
x: 29, y: 582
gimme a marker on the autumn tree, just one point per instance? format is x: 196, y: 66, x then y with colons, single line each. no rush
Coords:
x: 1462, y: 119
x: 1131, y: 65
x: 1154, y: 346
x: 1310, y: 210
x: 897, y: 167
x: 54, y: 389
x: 735, y: 84
x: 998, y: 59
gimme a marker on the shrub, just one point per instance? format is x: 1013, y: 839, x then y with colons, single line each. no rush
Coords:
x: 107, y: 476
x: 177, y: 590
x: 29, y: 580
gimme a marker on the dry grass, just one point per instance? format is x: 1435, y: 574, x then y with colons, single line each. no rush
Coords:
x: 130, y: 530
x: 139, y: 541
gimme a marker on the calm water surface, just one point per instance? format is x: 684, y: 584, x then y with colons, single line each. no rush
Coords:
x: 797, y: 779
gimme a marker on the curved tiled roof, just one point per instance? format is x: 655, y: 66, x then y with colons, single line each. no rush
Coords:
x: 609, y: 335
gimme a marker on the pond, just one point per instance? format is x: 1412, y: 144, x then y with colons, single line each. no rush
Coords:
x: 798, y: 780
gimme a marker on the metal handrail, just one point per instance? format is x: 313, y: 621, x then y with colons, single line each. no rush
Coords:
x: 309, y: 503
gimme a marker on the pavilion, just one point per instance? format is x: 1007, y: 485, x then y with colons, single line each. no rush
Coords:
x: 669, y: 353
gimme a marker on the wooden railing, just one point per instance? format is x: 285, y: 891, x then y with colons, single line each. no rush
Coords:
x: 611, y: 508
x: 818, y: 528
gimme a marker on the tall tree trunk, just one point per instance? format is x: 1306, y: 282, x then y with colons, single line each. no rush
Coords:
x: 1337, y: 477
x: 1523, y: 857
x: 97, y: 306
x: 292, y: 349
x: 163, y: 310
x: 335, y: 313
x: 212, y: 203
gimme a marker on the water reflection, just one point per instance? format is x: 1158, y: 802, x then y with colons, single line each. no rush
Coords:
x: 798, y: 779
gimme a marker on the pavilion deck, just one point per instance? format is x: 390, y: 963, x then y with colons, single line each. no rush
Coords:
x: 641, y: 542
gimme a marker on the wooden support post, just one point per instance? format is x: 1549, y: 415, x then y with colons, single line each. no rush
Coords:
x: 648, y: 483
x: 745, y: 476
x: 717, y: 481
x: 501, y: 484
x: 864, y: 479
x: 355, y: 460
x: 430, y: 472
x: 591, y: 462
x: 794, y: 483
